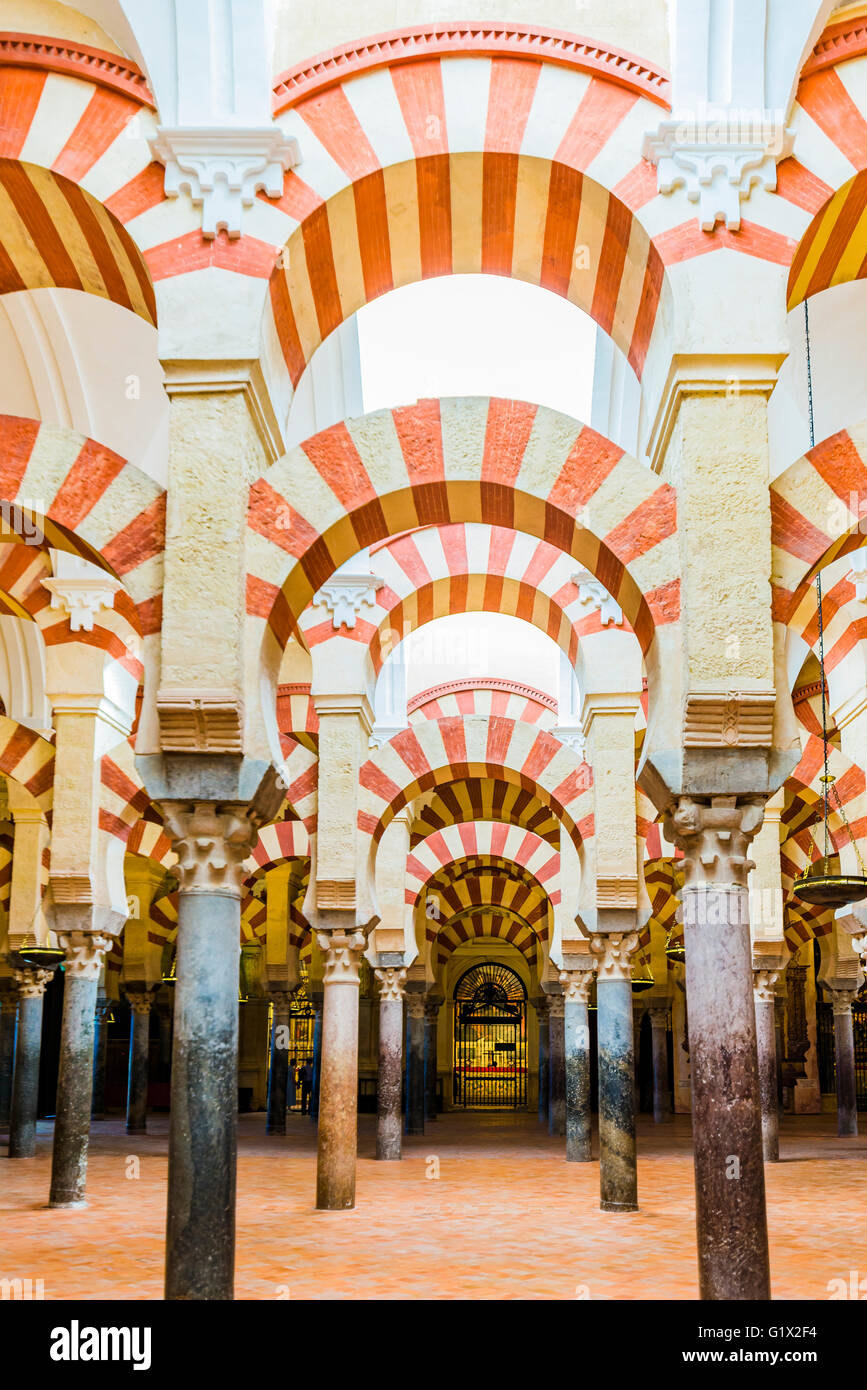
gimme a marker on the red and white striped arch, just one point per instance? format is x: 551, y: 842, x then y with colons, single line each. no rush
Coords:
x: 815, y: 516
x: 492, y: 840
x: 436, y: 163
x: 482, y: 698
x: 463, y: 568
x: 28, y: 758
x: 89, y: 501
x: 286, y: 839
x: 499, y: 463
x: 437, y: 752
x: 496, y: 922
x: 482, y: 799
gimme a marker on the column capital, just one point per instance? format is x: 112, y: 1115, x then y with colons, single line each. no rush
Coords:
x: 765, y: 983
x: 9, y: 999
x: 841, y: 999
x: 85, y: 953
x: 415, y: 1005
x: 31, y: 983
x: 613, y: 951
x: 577, y: 985
x: 659, y: 1015
x: 140, y: 1001
x: 714, y: 834
x: 542, y: 1005
x: 212, y: 840
x: 281, y: 1000
x: 391, y: 983
x: 432, y: 1007
x: 557, y: 1006
x: 341, y: 955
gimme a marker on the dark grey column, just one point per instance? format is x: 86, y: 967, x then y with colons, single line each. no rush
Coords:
x: 25, y: 1085
x: 731, y: 1220
x: 764, y: 987
x: 164, y: 1012
x: 140, y: 1003
x: 557, y: 1066
x: 388, y: 1084
x: 543, y: 1014
x: 659, y: 1014
x: 414, y: 1063
x: 780, y: 1035
x: 618, y: 1178
x: 844, y: 1061
x: 431, y: 1035
x: 338, y: 1099
x: 278, y: 1070
x: 85, y: 954
x: 577, y: 985
x: 315, y: 1084
x: 8, y: 1021
x: 100, y: 1055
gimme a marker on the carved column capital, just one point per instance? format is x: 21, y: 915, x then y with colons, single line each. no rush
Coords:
x: 542, y: 1005
x: 659, y: 1015
x: 557, y: 1006
x: 714, y: 834
x: 140, y: 1002
x: 281, y: 1000
x: 85, y: 953
x: 31, y: 983
x: 415, y: 1005
x: 613, y: 950
x: 765, y: 985
x: 341, y: 955
x: 391, y: 982
x: 431, y: 1008
x: 211, y: 840
x: 841, y: 999
x: 9, y: 999
x: 577, y: 985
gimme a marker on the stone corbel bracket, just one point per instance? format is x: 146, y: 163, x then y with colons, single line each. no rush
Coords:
x: 344, y: 594
x: 593, y: 594
x: 83, y: 597
x: 201, y: 721
x: 223, y: 168
x: 729, y: 719
x: 719, y: 156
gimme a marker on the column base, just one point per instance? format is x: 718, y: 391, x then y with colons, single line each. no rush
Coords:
x: 57, y: 1204
x: 618, y: 1206
x: 275, y: 1129
x: 136, y: 1129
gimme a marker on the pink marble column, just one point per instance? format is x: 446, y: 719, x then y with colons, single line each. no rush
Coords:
x: 338, y: 1095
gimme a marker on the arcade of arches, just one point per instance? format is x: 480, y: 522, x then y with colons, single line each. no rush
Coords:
x: 260, y: 905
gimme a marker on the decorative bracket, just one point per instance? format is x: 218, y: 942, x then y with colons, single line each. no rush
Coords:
x: 81, y: 590
x: 223, y: 168
x: 594, y: 594
x: 719, y: 156
x: 344, y: 594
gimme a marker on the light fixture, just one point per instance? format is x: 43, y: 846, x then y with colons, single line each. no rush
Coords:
x: 820, y: 885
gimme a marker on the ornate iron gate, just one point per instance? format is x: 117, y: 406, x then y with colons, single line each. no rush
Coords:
x: 490, y: 1039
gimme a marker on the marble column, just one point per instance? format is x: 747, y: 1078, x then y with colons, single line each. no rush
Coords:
x: 618, y: 1177
x: 557, y: 1065
x: 714, y: 835
x: 414, y: 1063
x: 764, y: 987
x: 576, y: 986
x: 659, y: 1015
x: 844, y: 1060
x: 431, y: 1036
x: 316, y: 1080
x: 388, y: 1127
x: 85, y: 955
x: 212, y: 840
x: 25, y: 1083
x: 139, y: 1061
x: 8, y: 1021
x: 543, y: 1014
x: 338, y: 1096
x: 100, y: 1056
x: 278, y: 1070
x: 164, y: 1012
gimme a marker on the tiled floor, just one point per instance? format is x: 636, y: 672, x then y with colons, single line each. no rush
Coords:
x: 506, y: 1217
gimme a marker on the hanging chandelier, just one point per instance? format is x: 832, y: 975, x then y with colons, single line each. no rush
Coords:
x: 822, y: 884
x: 675, y: 948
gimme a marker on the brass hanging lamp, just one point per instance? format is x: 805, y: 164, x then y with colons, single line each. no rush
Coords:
x: 820, y: 885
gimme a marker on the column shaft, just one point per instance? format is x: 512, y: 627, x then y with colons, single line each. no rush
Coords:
x: 338, y: 1099
x: 200, y: 1234
x: 431, y: 1033
x: 139, y: 1056
x: 388, y: 1127
x: 844, y: 1052
x: 415, y: 1064
x: 726, y: 1117
x: 659, y: 1039
x: 278, y: 1070
x: 577, y: 1041
x: 557, y: 1067
x: 8, y: 1024
x: 100, y: 1057
x: 85, y: 952
x: 25, y: 1085
x: 543, y: 1015
x: 618, y: 1176
x: 316, y: 1081
x: 766, y: 1050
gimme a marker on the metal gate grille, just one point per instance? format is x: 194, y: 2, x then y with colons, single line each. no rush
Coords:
x: 490, y: 1040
